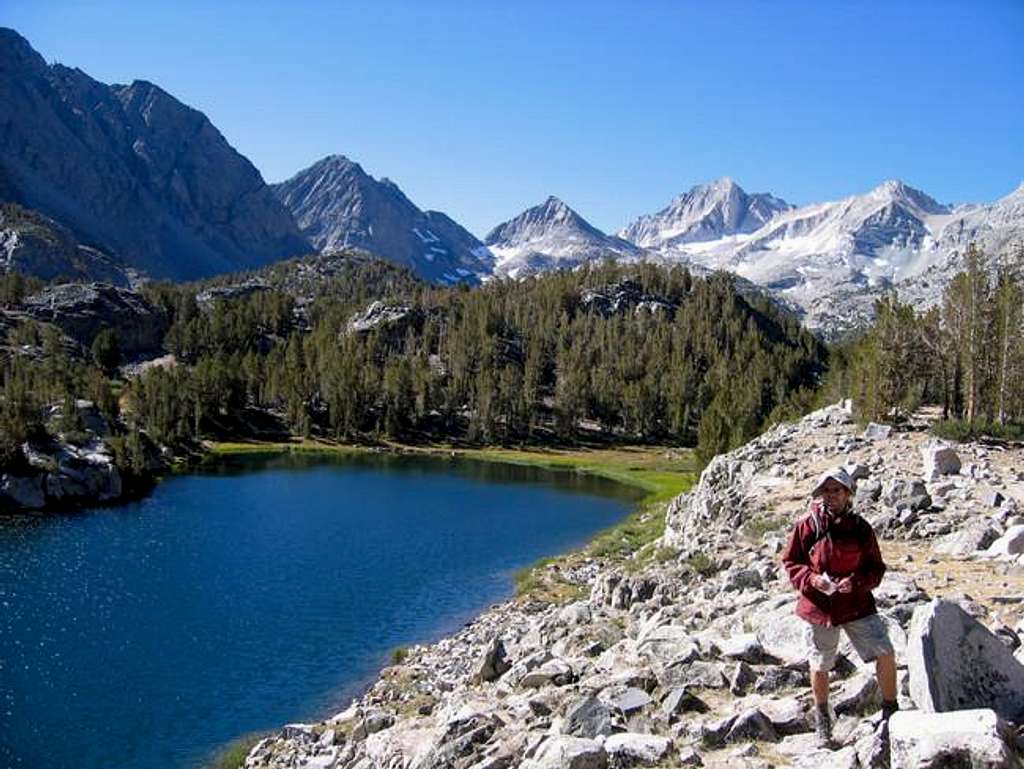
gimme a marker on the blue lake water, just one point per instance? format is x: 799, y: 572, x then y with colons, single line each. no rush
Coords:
x: 267, y: 590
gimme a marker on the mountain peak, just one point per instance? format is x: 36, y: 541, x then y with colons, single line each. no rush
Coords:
x: 554, y: 214
x: 551, y: 235
x: 336, y: 164
x: 338, y: 205
x: 891, y: 187
x: 898, y: 190
x: 17, y: 54
x: 706, y: 212
x: 558, y: 210
x: 121, y: 167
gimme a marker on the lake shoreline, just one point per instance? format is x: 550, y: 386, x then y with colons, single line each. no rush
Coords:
x: 648, y: 471
x: 203, y: 493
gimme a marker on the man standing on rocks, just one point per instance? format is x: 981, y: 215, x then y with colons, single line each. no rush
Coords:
x: 833, y: 559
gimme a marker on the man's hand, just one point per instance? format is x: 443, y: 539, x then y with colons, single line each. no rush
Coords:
x: 822, y: 584
x: 845, y: 585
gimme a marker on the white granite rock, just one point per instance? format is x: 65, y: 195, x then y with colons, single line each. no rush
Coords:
x: 1011, y: 544
x: 939, y: 459
x: 632, y: 749
x: 956, y: 663
x: 564, y: 752
x: 969, y: 738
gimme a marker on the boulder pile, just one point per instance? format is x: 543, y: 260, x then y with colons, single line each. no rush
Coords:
x: 696, y: 657
x: 68, y: 469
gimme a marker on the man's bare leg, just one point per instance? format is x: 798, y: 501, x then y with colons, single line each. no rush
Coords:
x: 885, y: 669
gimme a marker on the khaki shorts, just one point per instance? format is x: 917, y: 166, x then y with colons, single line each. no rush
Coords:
x: 868, y: 635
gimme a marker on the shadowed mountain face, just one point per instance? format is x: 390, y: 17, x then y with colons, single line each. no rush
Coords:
x: 34, y: 244
x: 338, y: 206
x: 133, y: 171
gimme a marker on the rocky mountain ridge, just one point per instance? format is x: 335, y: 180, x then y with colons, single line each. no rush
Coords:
x: 133, y: 181
x: 707, y: 212
x: 133, y: 172
x: 696, y: 658
x: 832, y: 260
x: 339, y: 206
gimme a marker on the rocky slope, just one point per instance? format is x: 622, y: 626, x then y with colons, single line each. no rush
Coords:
x: 340, y: 206
x: 132, y: 171
x: 36, y: 245
x: 551, y: 236
x: 82, y: 310
x: 689, y: 654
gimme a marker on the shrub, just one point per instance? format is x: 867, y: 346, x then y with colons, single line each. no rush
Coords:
x: 962, y: 430
x: 106, y: 350
x: 703, y: 564
x: 760, y: 525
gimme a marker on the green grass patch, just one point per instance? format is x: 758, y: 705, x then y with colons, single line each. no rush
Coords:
x: 399, y: 655
x: 662, y: 474
x: 232, y: 756
x: 307, y: 446
x: 757, y: 527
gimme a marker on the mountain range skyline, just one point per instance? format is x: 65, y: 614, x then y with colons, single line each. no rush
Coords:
x: 143, y: 182
x: 686, y: 189
x: 615, y: 109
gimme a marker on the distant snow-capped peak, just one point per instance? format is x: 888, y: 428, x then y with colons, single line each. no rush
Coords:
x: 550, y: 236
x: 707, y: 212
x: 551, y: 216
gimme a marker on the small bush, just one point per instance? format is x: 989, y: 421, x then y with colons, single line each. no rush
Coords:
x: 757, y: 527
x: 665, y: 554
x: 399, y: 655
x: 106, y: 350
x: 961, y: 430
x: 703, y: 564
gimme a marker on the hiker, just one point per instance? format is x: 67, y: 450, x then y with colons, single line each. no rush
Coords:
x: 833, y: 559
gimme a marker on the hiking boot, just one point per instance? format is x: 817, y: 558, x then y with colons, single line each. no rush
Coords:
x: 823, y: 726
x: 888, y: 708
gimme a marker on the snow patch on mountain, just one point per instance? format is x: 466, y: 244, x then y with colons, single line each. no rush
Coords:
x: 552, y: 236
x: 339, y: 206
x: 707, y: 212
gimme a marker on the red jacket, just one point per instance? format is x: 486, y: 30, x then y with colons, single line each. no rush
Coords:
x: 840, y: 547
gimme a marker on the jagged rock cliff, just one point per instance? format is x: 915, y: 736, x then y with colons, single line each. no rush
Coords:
x: 339, y: 206
x: 133, y: 171
x: 82, y: 310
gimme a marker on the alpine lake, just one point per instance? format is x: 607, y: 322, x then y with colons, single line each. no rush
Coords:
x: 262, y: 590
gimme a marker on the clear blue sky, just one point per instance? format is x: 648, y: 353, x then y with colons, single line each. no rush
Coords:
x: 480, y: 109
